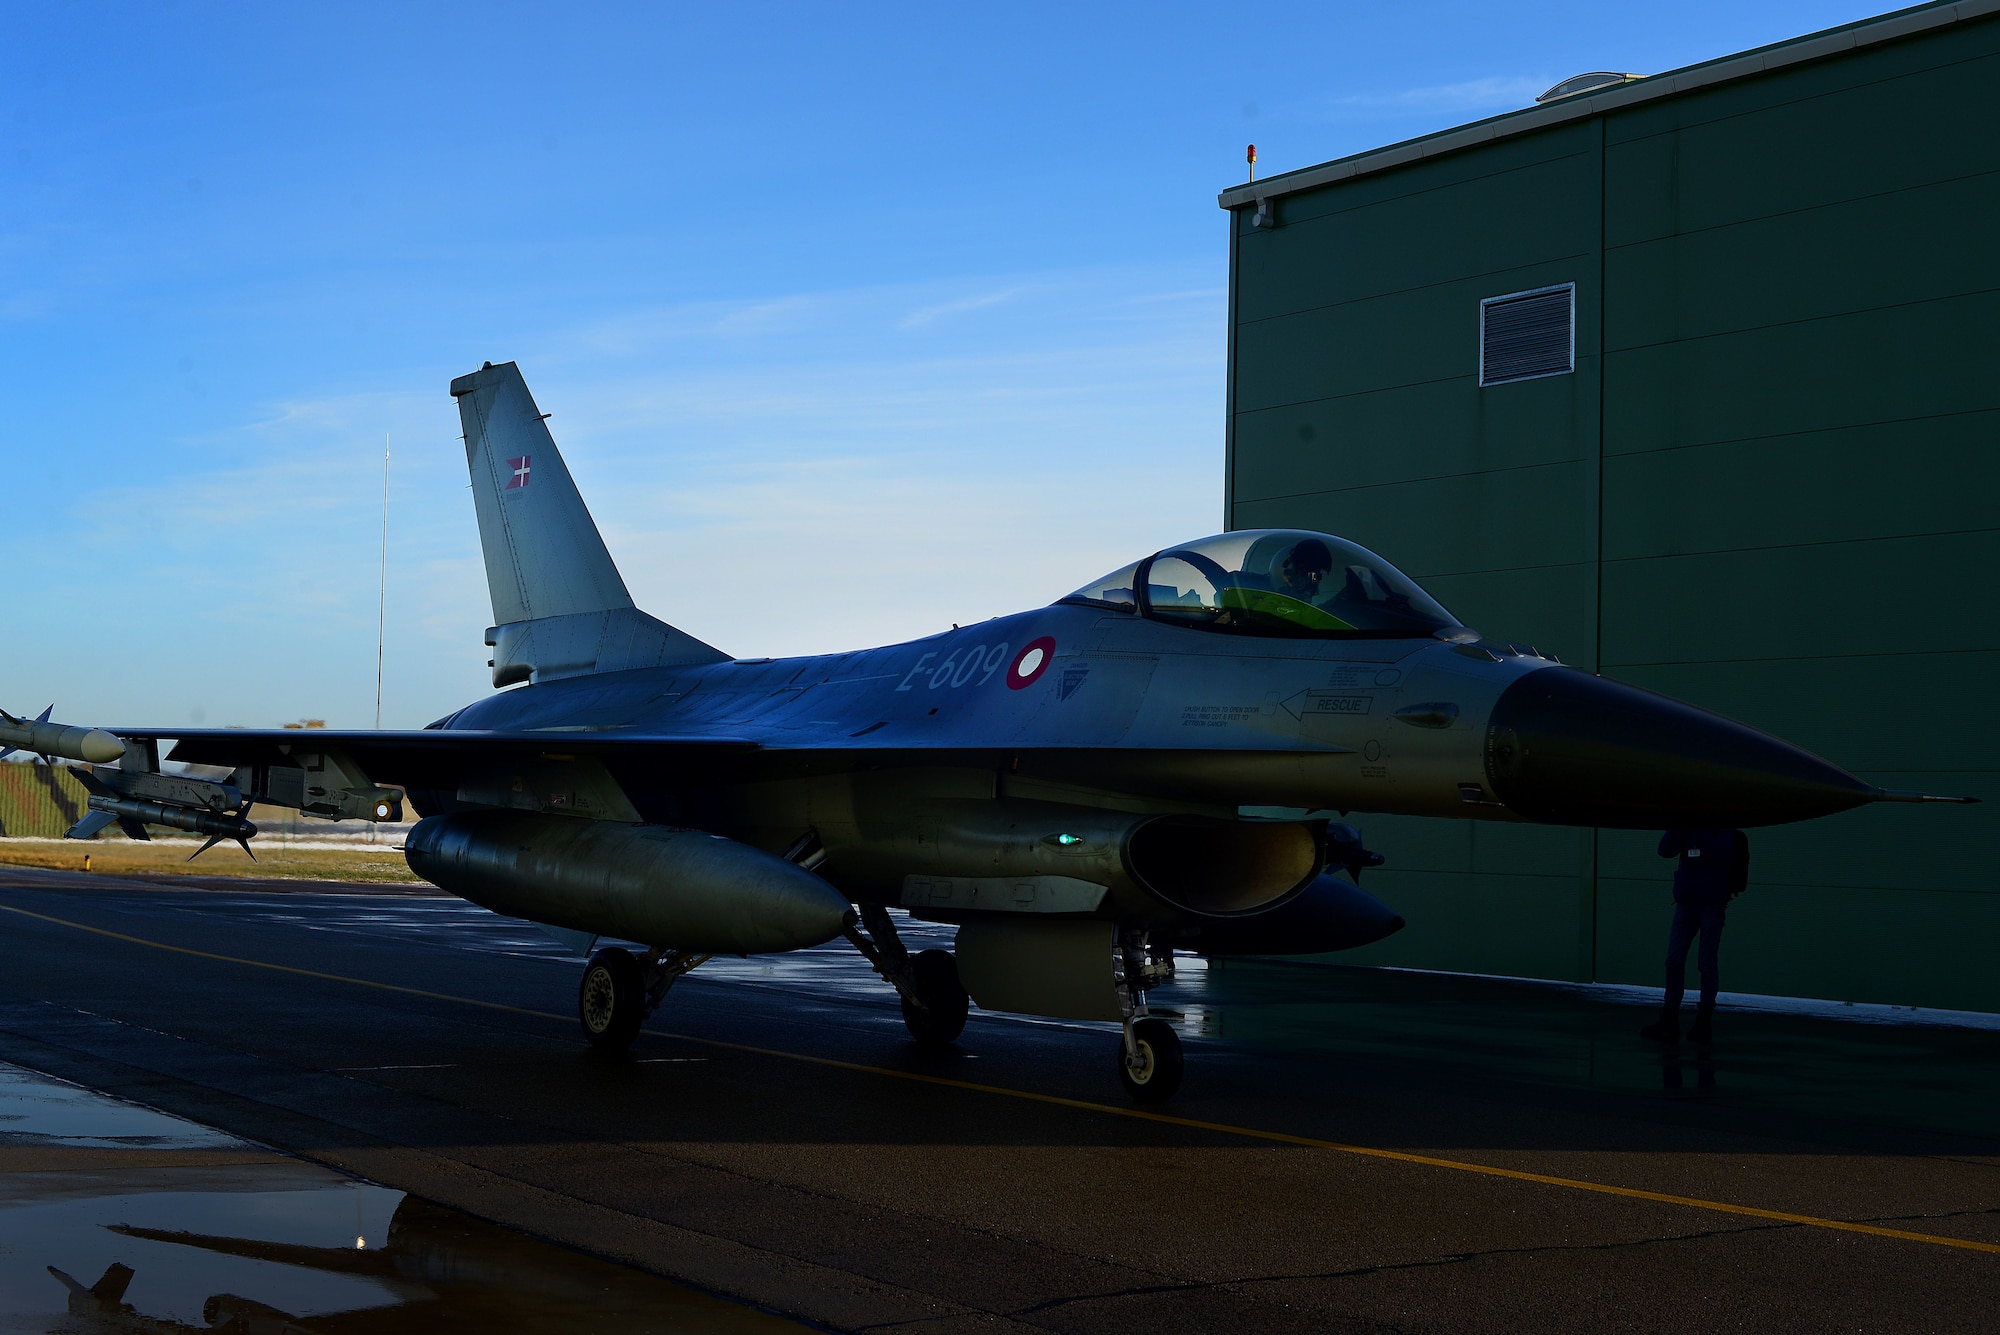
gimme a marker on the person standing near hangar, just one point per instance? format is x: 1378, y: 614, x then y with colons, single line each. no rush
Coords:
x: 1714, y: 868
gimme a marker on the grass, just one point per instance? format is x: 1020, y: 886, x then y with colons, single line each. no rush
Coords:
x: 169, y: 857
x: 38, y: 803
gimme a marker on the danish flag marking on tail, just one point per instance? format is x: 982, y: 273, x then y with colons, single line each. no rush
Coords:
x: 520, y: 467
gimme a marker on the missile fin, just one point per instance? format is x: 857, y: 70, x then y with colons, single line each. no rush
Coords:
x: 134, y: 829
x: 243, y: 823
x: 88, y: 827
x: 43, y: 717
x: 5, y: 717
x: 215, y: 839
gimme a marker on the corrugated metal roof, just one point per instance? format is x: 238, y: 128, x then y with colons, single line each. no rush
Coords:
x: 1816, y: 46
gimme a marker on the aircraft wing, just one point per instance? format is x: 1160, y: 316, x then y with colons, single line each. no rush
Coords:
x: 419, y: 750
x: 447, y: 759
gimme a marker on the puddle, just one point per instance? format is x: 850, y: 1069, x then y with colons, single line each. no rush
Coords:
x: 37, y: 1110
x: 193, y: 1230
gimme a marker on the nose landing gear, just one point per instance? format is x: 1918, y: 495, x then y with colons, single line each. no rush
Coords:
x: 1150, y: 1063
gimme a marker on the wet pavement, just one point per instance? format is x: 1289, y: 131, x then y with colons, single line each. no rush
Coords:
x: 1354, y: 1149
x: 115, y: 1217
x: 1864, y: 1066
x: 1870, y: 1067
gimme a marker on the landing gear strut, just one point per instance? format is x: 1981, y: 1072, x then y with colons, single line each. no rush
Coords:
x: 1150, y: 1064
x: 620, y: 990
x: 934, y: 1001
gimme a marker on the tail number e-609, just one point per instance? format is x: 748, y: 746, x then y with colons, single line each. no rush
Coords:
x: 982, y: 662
x: 959, y: 668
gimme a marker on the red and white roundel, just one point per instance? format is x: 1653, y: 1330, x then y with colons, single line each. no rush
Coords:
x: 1031, y: 662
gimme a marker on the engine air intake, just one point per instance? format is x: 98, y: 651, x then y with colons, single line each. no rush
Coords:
x: 1222, y: 867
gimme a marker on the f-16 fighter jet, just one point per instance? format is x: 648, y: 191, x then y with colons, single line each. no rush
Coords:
x: 1082, y: 788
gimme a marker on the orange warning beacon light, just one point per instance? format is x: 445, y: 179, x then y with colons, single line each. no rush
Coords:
x: 1251, y: 157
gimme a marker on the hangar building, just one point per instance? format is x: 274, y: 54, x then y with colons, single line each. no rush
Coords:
x: 1693, y: 380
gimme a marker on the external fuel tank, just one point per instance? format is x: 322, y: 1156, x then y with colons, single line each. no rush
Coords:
x: 660, y: 885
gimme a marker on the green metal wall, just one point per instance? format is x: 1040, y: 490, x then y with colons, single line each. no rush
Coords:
x: 1769, y: 488
x: 37, y: 801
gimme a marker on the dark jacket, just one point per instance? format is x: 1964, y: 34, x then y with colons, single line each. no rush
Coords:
x: 1715, y: 864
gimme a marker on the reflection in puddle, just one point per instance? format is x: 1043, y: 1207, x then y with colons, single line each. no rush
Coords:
x: 118, y: 1218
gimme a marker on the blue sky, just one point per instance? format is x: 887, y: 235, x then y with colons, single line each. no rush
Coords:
x: 854, y: 321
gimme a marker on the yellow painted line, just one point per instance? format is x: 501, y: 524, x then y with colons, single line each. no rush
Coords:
x: 1085, y: 1105
x: 282, y: 968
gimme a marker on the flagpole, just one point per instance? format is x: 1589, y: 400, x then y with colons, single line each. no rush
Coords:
x: 383, y: 588
x: 381, y: 598
x: 382, y: 591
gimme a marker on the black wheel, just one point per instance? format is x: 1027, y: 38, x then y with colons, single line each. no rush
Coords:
x: 942, y: 1016
x: 1157, y: 1073
x: 611, y: 1001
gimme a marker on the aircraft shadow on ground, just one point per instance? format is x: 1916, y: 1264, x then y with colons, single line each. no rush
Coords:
x: 444, y: 1269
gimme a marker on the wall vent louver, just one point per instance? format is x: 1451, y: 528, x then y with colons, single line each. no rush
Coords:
x: 1524, y: 335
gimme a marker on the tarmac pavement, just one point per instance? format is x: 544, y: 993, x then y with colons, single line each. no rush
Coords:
x: 1353, y: 1150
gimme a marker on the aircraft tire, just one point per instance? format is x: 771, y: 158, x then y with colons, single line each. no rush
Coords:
x: 942, y: 1018
x: 1161, y: 1064
x: 611, y: 1000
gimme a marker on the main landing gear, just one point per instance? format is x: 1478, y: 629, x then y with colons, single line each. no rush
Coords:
x: 934, y: 1001
x: 1150, y: 1064
x: 620, y: 990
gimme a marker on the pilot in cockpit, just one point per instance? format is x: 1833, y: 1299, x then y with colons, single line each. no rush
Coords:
x: 1272, y: 581
x: 1300, y: 571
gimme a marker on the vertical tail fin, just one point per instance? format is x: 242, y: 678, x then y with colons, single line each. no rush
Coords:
x: 560, y: 607
x: 544, y: 557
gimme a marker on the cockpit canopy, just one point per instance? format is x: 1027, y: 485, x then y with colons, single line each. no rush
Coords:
x: 1272, y: 581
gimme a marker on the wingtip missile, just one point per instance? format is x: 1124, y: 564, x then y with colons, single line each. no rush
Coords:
x: 93, y: 745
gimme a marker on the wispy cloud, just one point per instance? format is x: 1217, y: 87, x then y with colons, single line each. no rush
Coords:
x: 630, y: 332
x: 1497, y: 93
x: 917, y: 319
x: 790, y: 493
x: 261, y: 573
x: 1045, y: 309
x: 766, y: 317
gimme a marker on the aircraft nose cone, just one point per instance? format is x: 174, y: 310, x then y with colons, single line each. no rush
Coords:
x: 1570, y: 748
